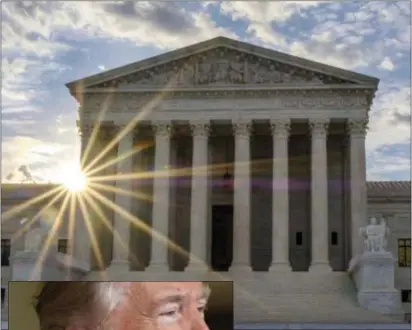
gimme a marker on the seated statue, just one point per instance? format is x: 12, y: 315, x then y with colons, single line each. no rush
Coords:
x: 376, y: 236
x: 35, y: 238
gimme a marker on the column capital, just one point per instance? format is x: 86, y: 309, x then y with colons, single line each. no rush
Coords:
x: 85, y: 130
x: 119, y: 128
x: 242, y: 128
x: 162, y: 129
x: 319, y: 127
x: 108, y: 132
x: 357, y: 127
x: 280, y: 128
x: 201, y: 129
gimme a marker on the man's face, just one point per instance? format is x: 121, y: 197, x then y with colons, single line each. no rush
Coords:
x: 163, y: 305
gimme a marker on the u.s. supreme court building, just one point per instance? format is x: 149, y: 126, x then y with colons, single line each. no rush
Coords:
x: 278, y: 192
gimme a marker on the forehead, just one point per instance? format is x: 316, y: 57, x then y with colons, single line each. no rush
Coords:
x: 154, y: 288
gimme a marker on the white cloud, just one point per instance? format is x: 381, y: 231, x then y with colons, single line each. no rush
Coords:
x: 382, y: 167
x: 33, y: 32
x: 23, y: 80
x: 13, y: 109
x: 384, y: 127
x: 387, y: 64
x: 265, y: 11
x: 133, y: 21
x: 43, y: 157
x: 45, y: 151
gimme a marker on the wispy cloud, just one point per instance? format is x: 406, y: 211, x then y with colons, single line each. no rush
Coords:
x: 46, y: 44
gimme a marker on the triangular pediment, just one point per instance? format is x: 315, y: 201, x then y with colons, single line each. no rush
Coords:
x: 221, y: 62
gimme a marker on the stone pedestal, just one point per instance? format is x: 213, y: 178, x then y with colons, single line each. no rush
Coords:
x: 374, y: 276
x: 55, y: 267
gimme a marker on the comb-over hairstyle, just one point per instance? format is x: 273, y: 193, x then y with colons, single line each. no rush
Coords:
x: 77, y: 305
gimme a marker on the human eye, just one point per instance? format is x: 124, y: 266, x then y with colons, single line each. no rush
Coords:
x: 202, y: 309
x: 169, y: 313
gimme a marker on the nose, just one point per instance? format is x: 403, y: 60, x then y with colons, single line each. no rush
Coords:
x: 195, y: 319
x: 198, y: 323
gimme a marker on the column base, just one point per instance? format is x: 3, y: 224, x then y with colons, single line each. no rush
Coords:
x: 320, y: 267
x: 240, y: 269
x: 158, y: 268
x: 117, y: 266
x: 196, y: 267
x: 280, y: 267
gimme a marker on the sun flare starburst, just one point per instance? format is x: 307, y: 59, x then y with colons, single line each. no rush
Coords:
x: 74, y: 179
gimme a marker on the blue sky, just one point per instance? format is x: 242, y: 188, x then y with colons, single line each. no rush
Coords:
x: 45, y: 45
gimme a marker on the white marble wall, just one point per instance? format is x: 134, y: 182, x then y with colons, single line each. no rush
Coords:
x: 398, y: 215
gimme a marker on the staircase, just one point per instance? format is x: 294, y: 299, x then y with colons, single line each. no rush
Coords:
x: 302, y: 297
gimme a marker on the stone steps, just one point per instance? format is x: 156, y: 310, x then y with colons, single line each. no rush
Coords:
x: 301, y: 297
x: 305, y: 308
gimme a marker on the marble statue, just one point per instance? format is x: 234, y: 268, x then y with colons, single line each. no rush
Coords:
x: 36, y: 237
x: 376, y: 235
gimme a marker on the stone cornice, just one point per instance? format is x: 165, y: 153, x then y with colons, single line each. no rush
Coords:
x: 370, y: 89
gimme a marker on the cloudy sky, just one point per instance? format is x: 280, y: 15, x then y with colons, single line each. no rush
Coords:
x: 47, y: 44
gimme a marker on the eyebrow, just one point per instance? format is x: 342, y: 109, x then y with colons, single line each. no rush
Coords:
x: 179, y: 297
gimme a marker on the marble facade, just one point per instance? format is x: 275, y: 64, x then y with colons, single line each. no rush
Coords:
x: 291, y: 134
x: 240, y: 93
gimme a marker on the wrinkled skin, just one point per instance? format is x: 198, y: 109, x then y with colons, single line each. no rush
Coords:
x: 162, y: 306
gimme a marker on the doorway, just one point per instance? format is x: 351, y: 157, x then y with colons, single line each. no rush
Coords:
x: 222, y: 237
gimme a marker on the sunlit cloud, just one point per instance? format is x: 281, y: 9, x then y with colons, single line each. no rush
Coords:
x: 48, y: 44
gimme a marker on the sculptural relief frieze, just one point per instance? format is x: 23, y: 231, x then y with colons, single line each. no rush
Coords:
x: 230, y: 100
x: 221, y: 66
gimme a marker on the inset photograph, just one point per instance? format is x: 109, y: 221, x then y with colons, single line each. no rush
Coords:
x: 84, y: 305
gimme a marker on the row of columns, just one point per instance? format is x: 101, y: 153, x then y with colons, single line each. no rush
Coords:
x: 242, y: 200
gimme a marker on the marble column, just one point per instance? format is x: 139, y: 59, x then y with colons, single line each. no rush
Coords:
x: 121, y: 225
x: 319, y: 182
x: 280, y: 196
x: 358, y: 194
x: 161, y: 195
x: 198, y: 212
x: 241, y: 198
x: 85, y: 132
x: 82, y: 249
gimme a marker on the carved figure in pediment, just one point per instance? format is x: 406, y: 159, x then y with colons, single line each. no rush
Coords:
x: 236, y: 72
x: 254, y: 76
x: 147, y: 78
x: 287, y: 77
x: 161, y: 78
x: 186, y: 75
x: 221, y: 72
x: 316, y: 79
x: 259, y: 75
x: 275, y: 75
x: 205, y: 72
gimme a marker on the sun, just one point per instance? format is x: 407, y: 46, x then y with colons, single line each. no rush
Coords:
x: 74, y: 179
